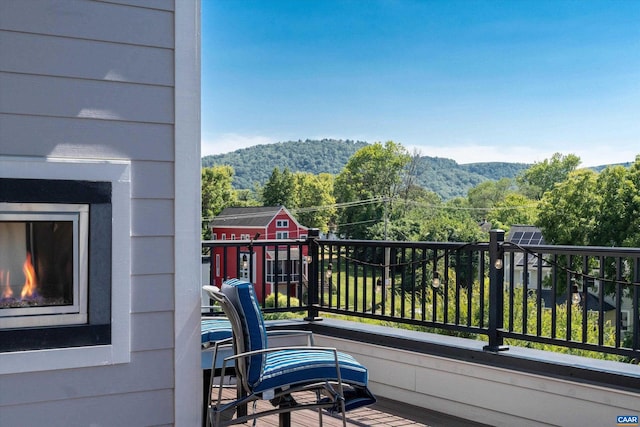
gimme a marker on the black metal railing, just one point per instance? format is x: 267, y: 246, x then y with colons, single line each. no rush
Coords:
x: 582, y: 298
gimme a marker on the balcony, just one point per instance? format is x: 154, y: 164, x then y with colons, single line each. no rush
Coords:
x: 464, y: 329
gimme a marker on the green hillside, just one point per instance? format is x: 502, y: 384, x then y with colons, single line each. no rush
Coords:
x: 254, y: 164
x: 445, y: 177
x: 449, y: 179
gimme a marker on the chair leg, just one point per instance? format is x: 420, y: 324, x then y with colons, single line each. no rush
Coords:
x: 284, y: 419
x: 240, y: 394
x: 344, y: 413
x: 206, y: 396
x: 318, y: 397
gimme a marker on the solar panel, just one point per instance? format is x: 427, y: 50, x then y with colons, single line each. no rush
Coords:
x: 537, y: 240
x: 532, y: 236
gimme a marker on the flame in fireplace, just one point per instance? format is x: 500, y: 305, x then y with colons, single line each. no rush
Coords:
x: 6, y: 291
x: 30, y: 281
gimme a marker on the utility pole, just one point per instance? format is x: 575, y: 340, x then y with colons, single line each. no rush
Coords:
x: 386, y: 218
x: 387, y: 257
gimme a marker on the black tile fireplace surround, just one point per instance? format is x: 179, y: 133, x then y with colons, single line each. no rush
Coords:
x: 97, y: 195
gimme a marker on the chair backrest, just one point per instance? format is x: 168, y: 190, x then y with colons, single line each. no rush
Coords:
x: 235, y: 323
x: 243, y: 298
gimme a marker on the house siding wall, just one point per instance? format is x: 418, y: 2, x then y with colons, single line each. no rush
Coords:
x: 80, y: 80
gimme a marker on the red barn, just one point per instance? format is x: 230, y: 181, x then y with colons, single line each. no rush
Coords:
x: 269, y: 266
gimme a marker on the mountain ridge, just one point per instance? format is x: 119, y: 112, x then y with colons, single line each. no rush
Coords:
x: 447, y: 178
x: 253, y: 165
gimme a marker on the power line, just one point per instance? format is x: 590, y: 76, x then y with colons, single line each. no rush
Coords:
x: 469, y: 208
x: 338, y: 205
x: 374, y: 200
x: 359, y: 222
x: 301, y: 210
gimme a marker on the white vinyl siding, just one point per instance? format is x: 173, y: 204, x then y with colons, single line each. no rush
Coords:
x: 91, y: 20
x: 89, y: 99
x: 126, y: 63
x: 95, y: 80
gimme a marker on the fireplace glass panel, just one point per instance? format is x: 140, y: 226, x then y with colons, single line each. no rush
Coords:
x: 36, y: 263
x: 42, y: 251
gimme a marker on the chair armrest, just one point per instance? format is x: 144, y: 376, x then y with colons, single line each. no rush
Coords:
x: 217, y: 348
x: 219, y: 343
x: 274, y: 349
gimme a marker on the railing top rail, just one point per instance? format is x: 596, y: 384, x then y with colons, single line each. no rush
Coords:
x: 508, y: 246
x: 400, y: 244
x: 260, y: 242
x: 574, y: 250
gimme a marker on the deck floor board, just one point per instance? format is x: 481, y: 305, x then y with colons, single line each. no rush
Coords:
x: 385, y: 413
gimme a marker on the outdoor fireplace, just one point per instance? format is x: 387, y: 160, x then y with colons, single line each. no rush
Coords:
x: 55, y: 263
x: 43, y: 265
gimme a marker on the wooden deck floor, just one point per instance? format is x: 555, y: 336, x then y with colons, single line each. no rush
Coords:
x: 385, y: 413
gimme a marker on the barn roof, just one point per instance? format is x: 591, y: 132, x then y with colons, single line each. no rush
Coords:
x: 249, y: 216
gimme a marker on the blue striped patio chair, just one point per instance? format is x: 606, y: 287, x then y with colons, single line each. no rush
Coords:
x: 337, y: 381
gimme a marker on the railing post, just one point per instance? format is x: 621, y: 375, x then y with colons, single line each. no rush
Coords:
x: 496, y: 291
x: 313, y: 265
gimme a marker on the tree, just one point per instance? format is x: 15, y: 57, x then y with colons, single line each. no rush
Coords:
x: 594, y: 209
x: 414, y: 208
x: 411, y: 175
x: 217, y: 194
x: 613, y: 216
x: 278, y: 190
x: 369, y: 183
x: 633, y: 235
x: 246, y: 198
x: 515, y: 208
x: 541, y: 177
x: 487, y: 194
x: 313, y: 201
x: 450, y: 221
x: 617, y: 216
x: 567, y: 213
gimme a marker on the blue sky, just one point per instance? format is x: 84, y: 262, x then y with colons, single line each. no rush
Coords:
x: 473, y: 81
